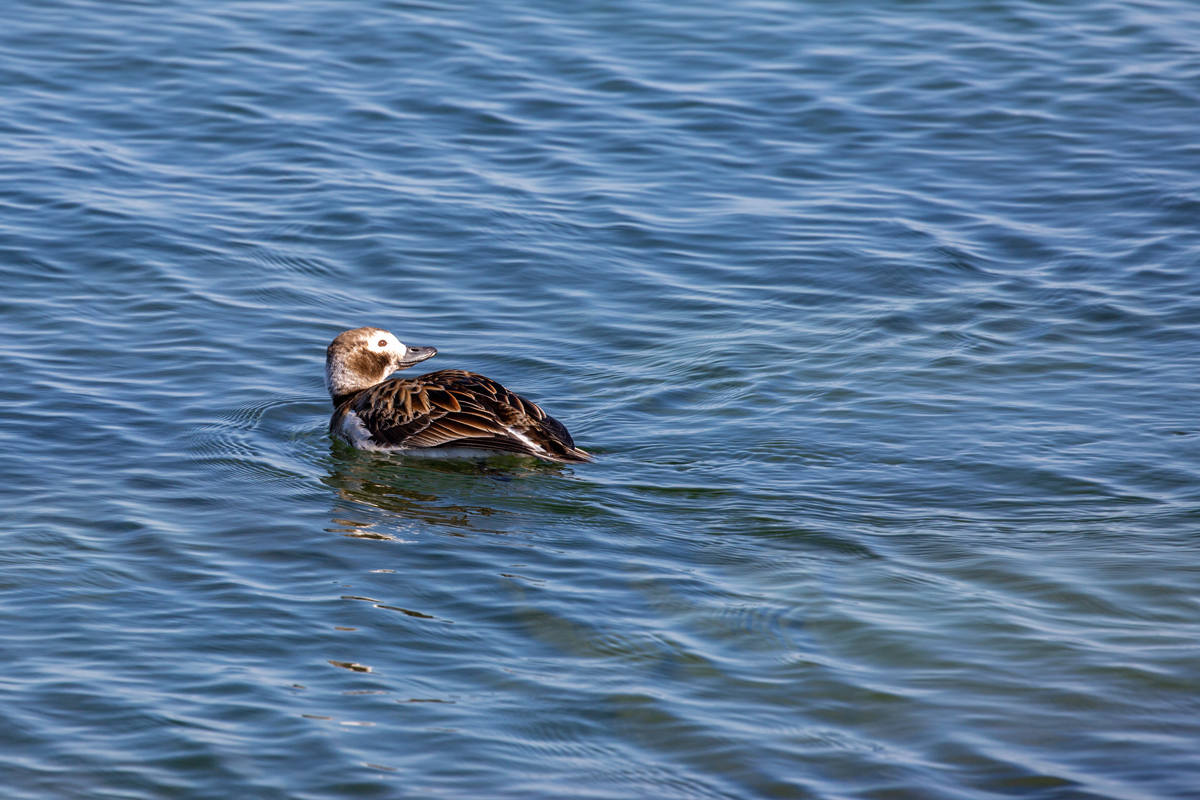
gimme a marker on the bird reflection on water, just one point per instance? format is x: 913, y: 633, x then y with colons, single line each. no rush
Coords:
x: 410, y: 490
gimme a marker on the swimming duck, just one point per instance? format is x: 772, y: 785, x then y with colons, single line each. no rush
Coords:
x: 450, y: 412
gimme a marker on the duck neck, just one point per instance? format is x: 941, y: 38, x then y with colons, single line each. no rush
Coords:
x: 340, y: 400
x: 345, y: 379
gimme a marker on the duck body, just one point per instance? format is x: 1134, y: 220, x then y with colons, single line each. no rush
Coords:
x: 450, y: 412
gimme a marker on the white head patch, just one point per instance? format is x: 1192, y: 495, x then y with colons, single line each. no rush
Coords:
x: 384, y: 342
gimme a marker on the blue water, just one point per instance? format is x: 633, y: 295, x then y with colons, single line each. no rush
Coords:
x: 883, y: 320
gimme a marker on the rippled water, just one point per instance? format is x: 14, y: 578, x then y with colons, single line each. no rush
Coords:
x: 883, y: 318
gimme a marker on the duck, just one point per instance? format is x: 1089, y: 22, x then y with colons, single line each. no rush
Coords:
x: 450, y: 412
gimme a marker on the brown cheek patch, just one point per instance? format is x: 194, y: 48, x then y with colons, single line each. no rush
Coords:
x: 366, y: 363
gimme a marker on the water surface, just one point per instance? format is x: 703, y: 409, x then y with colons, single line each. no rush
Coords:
x: 882, y: 318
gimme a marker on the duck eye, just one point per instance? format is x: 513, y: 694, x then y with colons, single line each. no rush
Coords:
x: 383, y: 342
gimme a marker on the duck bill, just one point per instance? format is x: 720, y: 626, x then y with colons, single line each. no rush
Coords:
x: 415, y: 355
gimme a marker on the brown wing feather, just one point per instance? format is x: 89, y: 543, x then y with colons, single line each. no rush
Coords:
x: 454, y: 408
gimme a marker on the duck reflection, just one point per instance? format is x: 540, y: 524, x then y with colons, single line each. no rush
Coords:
x: 430, y: 491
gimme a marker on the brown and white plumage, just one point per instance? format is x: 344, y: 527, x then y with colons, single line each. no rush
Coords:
x: 448, y: 412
